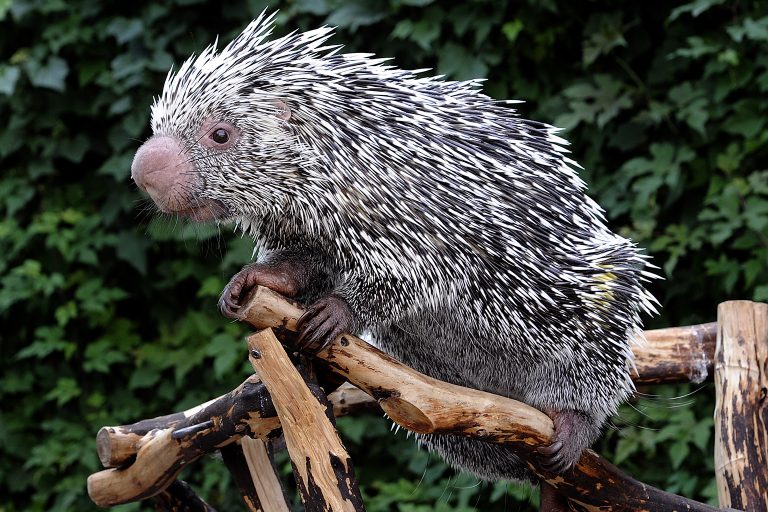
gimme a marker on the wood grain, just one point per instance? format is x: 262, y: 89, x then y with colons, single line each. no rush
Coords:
x: 741, y: 406
x: 323, y: 469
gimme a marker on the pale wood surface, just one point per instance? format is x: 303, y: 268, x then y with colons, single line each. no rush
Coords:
x: 322, y: 466
x: 234, y: 459
x: 265, y: 480
x: 115, y: 486
x: 741, y: 407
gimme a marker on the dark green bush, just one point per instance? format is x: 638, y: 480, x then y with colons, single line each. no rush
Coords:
x: 108, y: 312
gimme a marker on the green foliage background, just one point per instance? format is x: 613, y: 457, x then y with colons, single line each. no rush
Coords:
x: 108, y: 312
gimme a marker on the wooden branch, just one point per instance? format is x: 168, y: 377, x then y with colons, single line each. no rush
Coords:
x: 741, y: 406
x: 115, y: 445
x: 676, y: 354
x: 162, y: 454
x: 234, y: 459
x: 323, y: 470
x: 141, y: 478
x: 263, y: 475
x: 349, y: 400
x: 425, y: 405
x: 179, y: 497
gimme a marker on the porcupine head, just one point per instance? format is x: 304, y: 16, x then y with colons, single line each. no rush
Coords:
x: 294, y: 141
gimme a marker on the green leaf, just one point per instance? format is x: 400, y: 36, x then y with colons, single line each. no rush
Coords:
x: 144, y: 377
x: 50, y: 75
x: 133, y: 249
x: 695, y: 8
x: 124, y: 29
x: 455, y: 62
x: 604, y: 34
x: 101, y: 355
x: 73, y: 149
x: 755, y: 30
x: 353, y: 15
x: 9, y: 75
x: 678, y: 452
x: 5, y: 6
x: 512, y: 29
x: 65, y: 390
x: 624, y: 449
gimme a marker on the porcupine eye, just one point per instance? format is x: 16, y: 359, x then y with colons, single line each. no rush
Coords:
x: 220, y: 136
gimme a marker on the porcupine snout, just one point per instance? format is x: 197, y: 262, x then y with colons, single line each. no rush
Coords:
x: 163, y: 170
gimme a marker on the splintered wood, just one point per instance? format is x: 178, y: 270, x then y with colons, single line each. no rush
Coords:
x: 323, y: 469
x: 741, y: 405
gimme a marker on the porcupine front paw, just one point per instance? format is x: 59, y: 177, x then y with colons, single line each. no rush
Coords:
x: 323, y: 321
x: 574, y: 432
x: 277, y: 279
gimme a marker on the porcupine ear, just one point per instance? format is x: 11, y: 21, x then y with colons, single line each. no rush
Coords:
x: 283, y: 110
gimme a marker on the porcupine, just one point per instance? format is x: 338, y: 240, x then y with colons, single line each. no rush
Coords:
x: 458, y: 233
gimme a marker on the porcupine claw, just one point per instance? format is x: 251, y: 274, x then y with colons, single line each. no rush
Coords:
x: 323, y: 322
x: 250, y: 276
x: 571, y: 438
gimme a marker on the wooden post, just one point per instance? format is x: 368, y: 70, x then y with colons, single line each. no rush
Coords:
x: 323, y: 469
x: 741, y: 406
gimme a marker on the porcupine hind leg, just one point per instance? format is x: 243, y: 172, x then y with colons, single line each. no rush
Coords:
x: 574, y: 432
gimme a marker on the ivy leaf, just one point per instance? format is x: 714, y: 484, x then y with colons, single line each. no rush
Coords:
x: 678, y: 452
x: 625, y: 447
x: 755, y: 30
x: 5, y: 6
x: 604, y: 34
x: 457, y: 63
x: 65, y: 390
x: 124, y: 29
x: 424, y: 32
x: 695, y: 8
x: 50, y: 75
x: 353, y: 15
x: 143, y: 377
x: 9, y: 75
x: 761, y: 293
x: 512, y: 29
x: 133, y: 249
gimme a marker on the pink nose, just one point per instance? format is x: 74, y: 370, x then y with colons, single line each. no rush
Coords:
x: 159, y: 167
